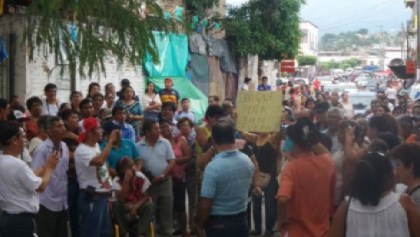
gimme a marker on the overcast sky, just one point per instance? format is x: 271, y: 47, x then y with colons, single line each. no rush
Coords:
x: 333, y: 16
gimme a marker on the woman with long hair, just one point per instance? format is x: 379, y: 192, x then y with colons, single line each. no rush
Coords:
x: 267, y: 155
x: 182, y: 153
x: 373, y: 209
x: 94, y: 88
x: 132, y: 107
x: 151, y: 102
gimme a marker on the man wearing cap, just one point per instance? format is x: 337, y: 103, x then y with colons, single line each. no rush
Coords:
x: 158, y: 159
x: 52, y: 217
x: 120, y: 148
x: 20, y: 203
x: 168, y: 94
x: 94, y: 180
x: 19, y: 117
x: 185, y: 111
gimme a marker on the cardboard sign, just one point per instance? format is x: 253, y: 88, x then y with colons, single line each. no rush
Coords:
x: 259, y: 111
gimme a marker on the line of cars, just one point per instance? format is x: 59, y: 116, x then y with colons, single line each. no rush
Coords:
x: 361, y: 91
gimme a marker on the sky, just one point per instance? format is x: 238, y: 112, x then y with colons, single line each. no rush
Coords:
x: 334, y: 16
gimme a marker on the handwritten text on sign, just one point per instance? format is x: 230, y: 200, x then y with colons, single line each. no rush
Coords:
x: 259, y: 111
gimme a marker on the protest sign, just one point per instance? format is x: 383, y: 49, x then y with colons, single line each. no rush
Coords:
x: 259, y: 111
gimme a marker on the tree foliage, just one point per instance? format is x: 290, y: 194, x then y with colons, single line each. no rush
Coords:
x: 349, y: 63
x: 353, y: 40
x: 267, y: 28
x: 199, y: 6
x: 88, y: 31
x: 306, y: 60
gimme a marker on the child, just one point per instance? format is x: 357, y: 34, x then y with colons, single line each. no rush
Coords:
x: 130, y: 188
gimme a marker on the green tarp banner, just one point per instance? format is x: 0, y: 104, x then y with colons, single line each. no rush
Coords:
x: 186, y: 90
x: 173, y: 54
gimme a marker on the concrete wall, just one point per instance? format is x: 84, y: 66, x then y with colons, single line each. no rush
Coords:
x: 13, y: 25
x: 32, y: 75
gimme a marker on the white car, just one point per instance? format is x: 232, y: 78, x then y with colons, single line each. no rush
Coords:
x: 361, y: 101
x: 361, y: 81
x: 326, y: 80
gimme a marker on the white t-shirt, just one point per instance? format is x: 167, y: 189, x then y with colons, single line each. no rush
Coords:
x: 87, y: 175
x: 35, y: 142
x: 50, y: 109
x: 117, y: 187
x: 18, y: 186
x: 391, y: 93
x: 348, y: 109
x: 244, y: 87
x: 146, y: 100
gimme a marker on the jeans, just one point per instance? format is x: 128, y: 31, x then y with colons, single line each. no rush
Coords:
x: 73, y: 199
x: 94, y: 216
x: 51, y: 223
x: 19, y: 225
x: 162, y: 197
x: 270, y: 206
x: 227, y: 226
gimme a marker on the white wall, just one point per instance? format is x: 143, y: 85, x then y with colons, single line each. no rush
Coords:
x: 32, y: 76
x: 309, y: 43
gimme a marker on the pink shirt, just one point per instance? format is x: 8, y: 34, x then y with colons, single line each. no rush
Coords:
x: 178, y: 171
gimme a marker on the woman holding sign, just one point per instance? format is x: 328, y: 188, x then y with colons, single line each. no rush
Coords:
x: 267, y: 154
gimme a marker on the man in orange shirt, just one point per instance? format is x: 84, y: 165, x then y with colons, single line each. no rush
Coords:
x: 305, y: 195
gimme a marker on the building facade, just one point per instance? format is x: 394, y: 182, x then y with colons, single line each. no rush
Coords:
x: 309, y: 39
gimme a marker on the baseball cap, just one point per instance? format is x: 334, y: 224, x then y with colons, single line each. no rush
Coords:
x: 109, y: 126
x: 18, y: 115
x: 88, y: 125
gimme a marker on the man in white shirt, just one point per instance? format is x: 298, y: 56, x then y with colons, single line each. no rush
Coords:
x: 19, y: 184
x: 158, y: 159
x: 94, y: 180
x: 53, y: 211
x: 50, y: 105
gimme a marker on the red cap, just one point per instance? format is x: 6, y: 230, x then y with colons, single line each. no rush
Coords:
x: 89, y: 124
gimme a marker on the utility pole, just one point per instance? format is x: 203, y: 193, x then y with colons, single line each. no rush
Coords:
x: 382, y: 48
x: 403, y: 36
x: 418, y: 40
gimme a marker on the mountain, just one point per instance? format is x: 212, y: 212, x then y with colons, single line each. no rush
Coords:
x: 332, y: 16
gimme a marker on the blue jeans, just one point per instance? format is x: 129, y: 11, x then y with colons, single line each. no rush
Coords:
x: 227, y: 226
x: 94, y: 216
x: 270, y: 206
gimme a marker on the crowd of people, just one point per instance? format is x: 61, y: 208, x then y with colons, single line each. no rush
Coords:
x: 116, y: 164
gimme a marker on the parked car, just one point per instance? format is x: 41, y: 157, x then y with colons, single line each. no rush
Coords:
x: 361, y: 81
x: 341, y: 87
x: 326, y: 80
